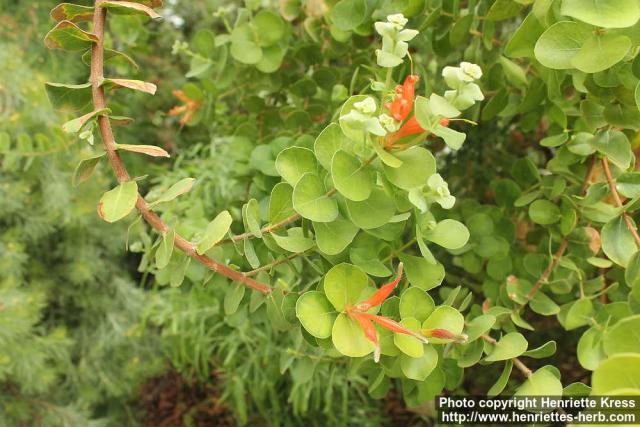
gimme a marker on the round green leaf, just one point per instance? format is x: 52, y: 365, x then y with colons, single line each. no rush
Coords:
x: 509, y: 346
x: 117, y: 203
x: 270, y: 27
x: 418, y: 164
x: 590, y: 351
x: 541, y: 383
x: 316, y: 314
x: 479, y: 326
x: 243, y: 47
x: 344, y: 284
x: 623, y: 337
x: 214, y: 232
x: 330, y: 140
x: 348, y: 14
x: 311, y: 201
x: 600, y: 52
x: 617, y: 241
x: 416, y: 303
x: 348, y: 337
x: 603, y: 13
x: 579, y: 314
x: 334, y: 237
x: 351, y: 179
x: 294, y: 162
x: 374, y: 212
x: 444, y: 317
x: 280, y: 204
x: 422, y: 273
x: 620, y: 371
x: 449, y: 234
x: 560, y: 43
x: 295, y: 241
x: 419, y: 368
x: 628, y: 184
x: 407, y: 344
x: 544, y: 212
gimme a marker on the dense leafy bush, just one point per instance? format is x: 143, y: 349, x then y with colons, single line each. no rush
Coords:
x: 412, y: 192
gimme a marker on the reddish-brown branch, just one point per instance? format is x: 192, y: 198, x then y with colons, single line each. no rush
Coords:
x: 120, y: 170
x: 563, y: 244
x: 618, y: 200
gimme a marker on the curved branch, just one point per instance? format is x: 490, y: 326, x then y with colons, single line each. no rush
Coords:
x: 120, y: 170
x: 618, y: 200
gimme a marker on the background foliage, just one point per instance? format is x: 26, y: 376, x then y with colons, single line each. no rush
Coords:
x: 537, y: 261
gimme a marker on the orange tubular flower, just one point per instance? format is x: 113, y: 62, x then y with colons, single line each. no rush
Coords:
x: 444, y: 334
x: 411, y: 127
x: 393, y: 326
x: 369, y: 331
x: 381, y: 294
x: 187, y: 110
x: 402, y: 104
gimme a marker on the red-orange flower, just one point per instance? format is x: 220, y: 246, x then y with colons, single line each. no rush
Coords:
x: 187, y: 110
x: 402, y: 104
x: 401, y: 108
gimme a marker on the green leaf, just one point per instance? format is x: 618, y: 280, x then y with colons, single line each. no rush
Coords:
x: 75, y: 125
x: 503, y: 9
x: 117, y: 203
x: 280, y: 204
x: 129, y: 8
x: 541, y: 383
x: 311, y: 201
x: 68, y: 97
x: 623, y: 337
x: 619, y: 373
x: 452, y: 138
x: 351, y: 178
x: 544, y: 212
x: 348, y: 337
x: 628, y: 184
x: 330, y: 140
x: 444, y: 317
x: 479, y: 326
x: 614, y: 145
x: 603, y: 13
x: 386, y: 157
x: 251, y: 218
x: 579, y: 314
x: 514, y: 73
x: 418, y: 369
x: 422, y: 273
x: 71, y: 12
x: 418, y: 164
x: 545, y: 350
x: 243, y: 45
x: 295, y: 240
x: 374, y: 212
x: 632, y: 273
x: 408, y: 344
x: 557, y: 46
x: 521, y: 44
x: 501, y: 382
x: 334, y: 237
x: 137, y: 85
x: 416, y: 303
x: 214, y: 232
x: 442, y: 107
x: 348, y: 14
x: 68, y: 36
x: 269, y: 27
x: 85, y: 168
x: 590, y: 350
x: 178, y: 189
x: 554, y: 140
x: 600, y: 52
x: 165, y: 249
x: 617, y: 241
x: 316, y: 314
x: 449, y: 234
x: 233, y: 297
x: 344, y: 284
x: 509, y: 346
x: 294, y: 162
